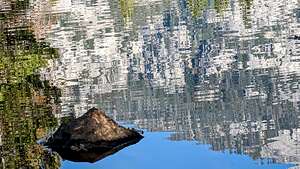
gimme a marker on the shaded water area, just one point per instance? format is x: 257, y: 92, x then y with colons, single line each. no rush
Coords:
x: 215, y: 84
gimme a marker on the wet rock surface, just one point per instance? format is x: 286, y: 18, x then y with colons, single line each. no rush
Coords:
x: 91, y: 137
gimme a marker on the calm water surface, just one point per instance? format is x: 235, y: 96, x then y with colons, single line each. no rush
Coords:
x: 216, y: 84
x: 157, y: 152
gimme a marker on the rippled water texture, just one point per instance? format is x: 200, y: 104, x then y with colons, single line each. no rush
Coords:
x: 222, y: 76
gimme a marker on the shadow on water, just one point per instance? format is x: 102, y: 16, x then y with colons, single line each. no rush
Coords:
x: 93, y: 156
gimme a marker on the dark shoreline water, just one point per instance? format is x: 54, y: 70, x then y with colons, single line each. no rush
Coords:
x: 218, y: 73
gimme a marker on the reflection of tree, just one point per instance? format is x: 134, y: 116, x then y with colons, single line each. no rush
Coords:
x: 20, y: 56
x: 25, y: 101
x: 221, y: 5
x: 127, y: 7
x: 197, y: 6
x: 26, y: 116
x: 245, y: 8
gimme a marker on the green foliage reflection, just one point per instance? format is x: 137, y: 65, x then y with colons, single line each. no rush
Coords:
x: 221, y: 5
x: 26, y: 102
x: 21, y: 56
x: 197, y: 6
x: 127, y: 7
x: 245, y: 8
x: 26, y: 116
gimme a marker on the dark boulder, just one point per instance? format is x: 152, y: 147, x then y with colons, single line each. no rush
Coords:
x: 91, y: 137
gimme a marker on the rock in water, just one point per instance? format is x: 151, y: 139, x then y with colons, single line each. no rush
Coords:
x: 91, y: 137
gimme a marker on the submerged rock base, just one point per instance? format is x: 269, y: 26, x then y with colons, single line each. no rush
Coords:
x: 91, y: 137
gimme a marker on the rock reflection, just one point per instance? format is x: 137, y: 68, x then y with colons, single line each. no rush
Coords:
x: 95, y: 155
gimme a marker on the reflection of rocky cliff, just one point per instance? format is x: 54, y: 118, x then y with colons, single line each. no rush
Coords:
x: 97, y: 53
x: 241, y: 88
x: 237, y: 124
x: 284, y: 148
x: 224, y: 74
